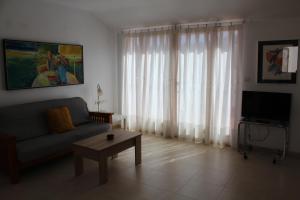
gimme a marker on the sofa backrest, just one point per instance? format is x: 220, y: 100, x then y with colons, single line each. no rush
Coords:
x: 30, y: 120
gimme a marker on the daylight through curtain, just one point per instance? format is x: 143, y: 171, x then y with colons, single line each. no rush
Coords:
x: 146, y: 81
x: 183, y: 83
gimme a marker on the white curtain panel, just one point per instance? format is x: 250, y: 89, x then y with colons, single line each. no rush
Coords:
x: 209, y: 63
x: 146, y: 81
x: 185, y: 84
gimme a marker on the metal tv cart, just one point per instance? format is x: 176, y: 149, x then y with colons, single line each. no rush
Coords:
x: 244, y: 147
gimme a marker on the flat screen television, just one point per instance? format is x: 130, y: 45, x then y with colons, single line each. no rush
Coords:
x: 266, y: 106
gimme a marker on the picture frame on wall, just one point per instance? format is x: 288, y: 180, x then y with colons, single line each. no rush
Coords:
x: 270, y: 55
x: 30, y: 64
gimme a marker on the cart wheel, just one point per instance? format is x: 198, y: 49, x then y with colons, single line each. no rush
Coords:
x: 245, y: 156
x: 274, y: 161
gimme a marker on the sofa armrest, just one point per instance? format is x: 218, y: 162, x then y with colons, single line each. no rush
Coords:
x: 101, y: 117
x: 4, y: 138
x: 8, y: 156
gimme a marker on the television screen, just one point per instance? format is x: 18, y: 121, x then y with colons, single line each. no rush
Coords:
x: 41, y: 64
x: 266, y: 105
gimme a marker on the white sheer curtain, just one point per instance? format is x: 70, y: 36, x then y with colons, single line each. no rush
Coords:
x: 146, y: 81
x: 183, y: 83
x: 209, y: 63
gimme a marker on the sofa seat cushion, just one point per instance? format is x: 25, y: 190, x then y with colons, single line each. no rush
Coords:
x: 90, y: 129
x: 39, y: 147
x: 23, y: 126
x: 45, y: 145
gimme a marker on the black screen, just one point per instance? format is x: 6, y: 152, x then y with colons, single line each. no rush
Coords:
x: 266, y: 105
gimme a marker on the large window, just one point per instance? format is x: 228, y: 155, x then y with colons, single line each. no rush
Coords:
x: 182, y: 83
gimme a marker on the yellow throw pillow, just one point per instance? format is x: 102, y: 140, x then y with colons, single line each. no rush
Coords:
x: 60, y: 120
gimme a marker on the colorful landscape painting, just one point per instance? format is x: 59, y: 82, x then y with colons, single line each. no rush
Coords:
x: 39, y: 64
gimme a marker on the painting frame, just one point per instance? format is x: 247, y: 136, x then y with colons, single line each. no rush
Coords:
x: 6, y: 70
x: 262, y: 67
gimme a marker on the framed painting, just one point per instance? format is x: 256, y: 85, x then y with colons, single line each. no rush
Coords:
x: 40, y: 64
x: 270, y: 62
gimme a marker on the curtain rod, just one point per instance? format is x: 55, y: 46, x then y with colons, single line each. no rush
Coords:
x: 233, y: 22
x: 193, y: 24
x: 145, y: 28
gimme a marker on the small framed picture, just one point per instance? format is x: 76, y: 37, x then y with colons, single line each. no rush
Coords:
x: 270, y: 62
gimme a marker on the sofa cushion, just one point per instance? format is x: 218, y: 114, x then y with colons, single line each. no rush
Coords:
x: 23, y: 125
x: 44, y: 145
x: 28, y: 120
x: 59, y: 120
x: 78, y: 108
x: 90, y: 129
x: 48, y: 144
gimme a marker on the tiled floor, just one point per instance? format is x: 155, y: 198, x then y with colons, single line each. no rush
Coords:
x: 170, y: 170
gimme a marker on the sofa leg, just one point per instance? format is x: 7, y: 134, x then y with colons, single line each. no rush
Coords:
x: 13, y: 169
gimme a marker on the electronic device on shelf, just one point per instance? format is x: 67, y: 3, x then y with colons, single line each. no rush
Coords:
x: 266, y: 107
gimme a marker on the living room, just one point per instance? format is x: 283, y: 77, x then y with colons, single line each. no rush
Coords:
x: 178, y: 160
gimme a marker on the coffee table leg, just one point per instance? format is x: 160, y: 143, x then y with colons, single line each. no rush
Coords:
x: 78, y: 163
x: 138, y: 150
x: 102, y: 170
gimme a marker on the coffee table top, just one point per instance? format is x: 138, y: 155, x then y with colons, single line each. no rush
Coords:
x: 99, y: 142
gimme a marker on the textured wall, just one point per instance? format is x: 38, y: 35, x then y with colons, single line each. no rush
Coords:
x: 40, y: 21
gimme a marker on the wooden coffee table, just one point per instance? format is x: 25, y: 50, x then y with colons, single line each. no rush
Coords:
x: 98, y: 148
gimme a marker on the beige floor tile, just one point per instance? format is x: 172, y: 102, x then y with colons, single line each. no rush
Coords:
x: 170, y: 170
x: 175, y: 196
x: 200, y: 189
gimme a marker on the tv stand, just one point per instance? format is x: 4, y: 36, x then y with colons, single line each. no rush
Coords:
x: 265, y: 123
x: 262, y: 121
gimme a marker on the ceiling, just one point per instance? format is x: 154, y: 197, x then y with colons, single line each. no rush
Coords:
x: 134, y: 13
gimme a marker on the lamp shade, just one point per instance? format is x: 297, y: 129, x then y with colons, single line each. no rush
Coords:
x: 99, y: 90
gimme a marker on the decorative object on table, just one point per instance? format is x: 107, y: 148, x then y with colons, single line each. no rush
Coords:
x: 39, y: 64
x: 99, y: 93
x: 270, y: 62
x: 110, y: 136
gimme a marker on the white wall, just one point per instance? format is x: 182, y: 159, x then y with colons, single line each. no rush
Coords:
x: 40, y: 21
x: 263, y: 30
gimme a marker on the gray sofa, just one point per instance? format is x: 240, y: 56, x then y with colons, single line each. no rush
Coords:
x: 25, y: 139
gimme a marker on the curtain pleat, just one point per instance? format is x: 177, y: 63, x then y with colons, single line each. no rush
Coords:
x: 183, y: 83
x: 146, y: 101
